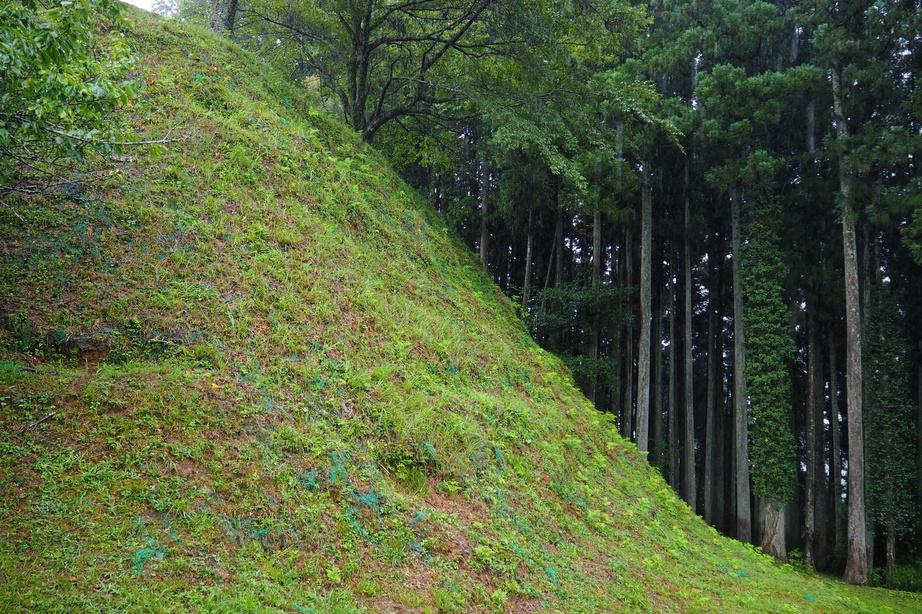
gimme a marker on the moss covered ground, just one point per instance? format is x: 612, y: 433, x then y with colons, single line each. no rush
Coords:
x: 254, y: 372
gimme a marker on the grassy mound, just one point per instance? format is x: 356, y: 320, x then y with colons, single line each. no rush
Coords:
x: 255, y: 372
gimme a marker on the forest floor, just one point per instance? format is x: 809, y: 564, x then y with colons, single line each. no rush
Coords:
x: 254, y: 372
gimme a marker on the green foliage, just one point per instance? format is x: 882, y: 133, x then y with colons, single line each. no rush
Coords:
x: 914, y: 235
x: 890, y: 426
x: 769, y: 350
x: 60, y: 82
x: 562, y: 318
x: 557, y: 306
x: 905, y: 578
x: 737, y: 111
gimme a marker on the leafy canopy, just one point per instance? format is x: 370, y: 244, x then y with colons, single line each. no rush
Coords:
x: 58, y: 87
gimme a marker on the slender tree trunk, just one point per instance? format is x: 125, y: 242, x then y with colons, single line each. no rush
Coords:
x: 507, y: 256
x: 628, y: 422
x: 657, y: 412
x: 740, y: 404
x: 811, y: 126
x: 688, y: 443
x: 872, y: 276
x: 919, y: 427
x: 674, y: 478
x: 810, y: 448
x: 484, y: 214
x: 596, y: 268
x: 551, y: 259
x: 821, y: 492
x: 865, y: 282
x: 688, y: 391
x: 891, y: 541
x: 722, y: 502
x: 526, y: 283
x: 710, y: 442
x: 617, y: 357
x: 643, y: 359
x: 558, y: 238
x: 359, y: 66
x: 624, y: 302
x: 230, y: 16
x: 596, y: 247
x: 618, y: 410
x: 856, y: 568
x: 619, y: 256
x: 836, y: 465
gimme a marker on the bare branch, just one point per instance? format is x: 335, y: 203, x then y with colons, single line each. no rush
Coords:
x: 118, y: 143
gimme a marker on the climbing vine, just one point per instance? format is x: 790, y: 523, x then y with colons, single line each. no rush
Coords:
x: 768, y: 348
x: 889, y: 421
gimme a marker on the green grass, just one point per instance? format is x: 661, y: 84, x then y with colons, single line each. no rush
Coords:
x: 277, y: 383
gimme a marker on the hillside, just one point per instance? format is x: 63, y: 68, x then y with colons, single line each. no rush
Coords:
x: 255, y: 372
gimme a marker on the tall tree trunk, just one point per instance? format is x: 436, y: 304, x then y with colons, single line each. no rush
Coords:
x: 722, y: 502
x: 865, y: 281
x: 223, y: 16
x: 643, y: 358
x: 628, y: 423
x: 871, y: 277
x: 835, y: 471
x: 740, y: 405
x: 526, y: 283
x: 596, y: 268
x: 509, y: 261
x: 811, y: 126
x: 617, y: 358
x: 437, y: 192
x: 688, y: 443
x: 359, y: 67
x: 891, y: 541
x: 674, y: 478
x: 596, y: 246
x: 230, y: 16
x: 558, y: 238
x: 821, y: 492
x: 484, y: 214
x: 657, y: 411
x: 856, y: 568
x: 919, y: 426
x: 617, y: 408
x: 772, y: 529
x: 810, y: 447
x: 551, y: 258
x: 216, y: 18
x: 619, y: 256
x: 710, y: 442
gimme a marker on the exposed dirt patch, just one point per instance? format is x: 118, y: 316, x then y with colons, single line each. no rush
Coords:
x: 520, y: 604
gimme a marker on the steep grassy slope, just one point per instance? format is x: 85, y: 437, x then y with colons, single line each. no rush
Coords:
x: 255, y: 373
